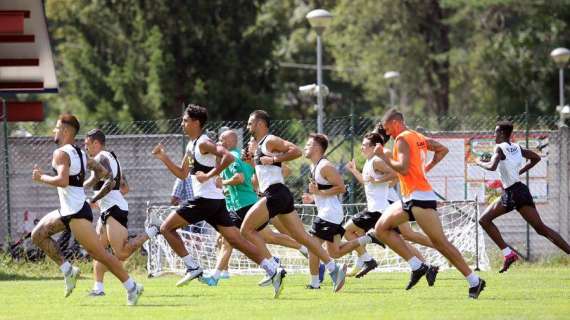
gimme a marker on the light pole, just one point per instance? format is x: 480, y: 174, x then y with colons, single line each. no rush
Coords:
x: 392, y: 77
x: 560, y: 57
x: 319, y: 20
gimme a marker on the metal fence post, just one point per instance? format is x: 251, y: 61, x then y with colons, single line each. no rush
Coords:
x: 477, y: 233
x: 7, y: 170
x: 352, y: 180
x: 526, y: 120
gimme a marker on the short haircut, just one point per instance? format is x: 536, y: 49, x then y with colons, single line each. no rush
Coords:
x: 392, y: 114
x: 374, y: 137
x: 321, y: 139
x: 506, y: 127
x: 96, y: 135
x: 197, y: 112
x: 261, y: 115
x: 70, y: 120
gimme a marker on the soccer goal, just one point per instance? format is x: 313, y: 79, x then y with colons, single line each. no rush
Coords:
x: 459, y: 219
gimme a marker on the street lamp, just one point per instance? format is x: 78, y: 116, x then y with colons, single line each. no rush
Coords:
x: 319, y: 20
x: 561, y: 57
x: 392, y: 77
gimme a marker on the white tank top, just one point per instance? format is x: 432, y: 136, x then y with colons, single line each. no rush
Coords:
x: 204, y: 163
x: 267, y: 175
x: 376, y: 193
x: 114, y: 197
x: 393, y: 194
x: 328, y: 207
x: 71, y: 198
x: 509, y: 168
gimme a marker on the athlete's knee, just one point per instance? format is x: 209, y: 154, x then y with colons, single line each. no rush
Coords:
x: 39, y: 234
x: 334, y: 253
x: 122, y: 254
x: 270, y: 238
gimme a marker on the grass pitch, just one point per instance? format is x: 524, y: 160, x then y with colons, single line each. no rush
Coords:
x: 524, y: 292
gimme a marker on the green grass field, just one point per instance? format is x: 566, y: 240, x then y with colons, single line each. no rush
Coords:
x: 525, y: 292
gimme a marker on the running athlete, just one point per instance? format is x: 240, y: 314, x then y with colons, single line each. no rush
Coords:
x: 112, y: 226
x: 277, y: 200
x: 509, y: 158
x: 70, y: 165
x: 204, y: 161
x: 325, y: 187
x: 240, y: 197
x: 376, y: 177
x: 419, y: 202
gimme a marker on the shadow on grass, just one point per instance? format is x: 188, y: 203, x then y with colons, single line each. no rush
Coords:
x: 20, y: 277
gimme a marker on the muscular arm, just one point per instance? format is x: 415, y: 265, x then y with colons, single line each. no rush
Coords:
x: 440, y: 152
x: 403, y: 163
x: 357, y: 174
x: 332, y: 175
x: 288, y: 150
x: 124, y: 187
x: 532, y: 157
x: 225, y: 158
x: 182, y: 171
x: 387, y: 173
x: 492, y: 165
x: 103, y: 171
x: 236, y: 179
x: 61, y: 164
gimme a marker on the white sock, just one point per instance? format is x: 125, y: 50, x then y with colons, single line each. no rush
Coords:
x: 331, y: 266
x: 364, y: 240
x: 65, y: 267
x: 129, y: 284
x: 507, y: 251
x: 98, y: 287
x: 151, y: 231
x: 315, y: 282
x: 269, y: 265
x: 304, y: 250
x: 365, y: 257
x: 189, y: 262
x: 216, y: 274
x: 415, y: 263
x: 473, y: 280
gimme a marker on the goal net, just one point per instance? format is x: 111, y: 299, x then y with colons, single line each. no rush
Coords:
x: 459, y: 220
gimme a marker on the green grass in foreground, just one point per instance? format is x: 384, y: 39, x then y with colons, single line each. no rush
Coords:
x: 525, y: 292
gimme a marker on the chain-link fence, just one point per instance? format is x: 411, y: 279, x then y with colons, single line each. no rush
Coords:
x: 456, y: 178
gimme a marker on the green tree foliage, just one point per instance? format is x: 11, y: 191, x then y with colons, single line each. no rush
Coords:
x: 143, y: 59
x: 135, y: 60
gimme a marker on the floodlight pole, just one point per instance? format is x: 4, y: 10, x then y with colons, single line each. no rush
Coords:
x: 7, y: 169
x: 320, y: 103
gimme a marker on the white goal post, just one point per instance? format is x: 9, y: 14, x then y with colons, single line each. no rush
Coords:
x: 459, y: 220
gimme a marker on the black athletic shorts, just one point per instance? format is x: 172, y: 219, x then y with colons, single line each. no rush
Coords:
x: 424, y: 204
x: 516, y: 197
x: 84, y: 213
x: 279, y: 200
x: 117, y: 213
x: 213, y: 211
x: 326, y: 230
x: 239, y: 215
x: 366, y: 220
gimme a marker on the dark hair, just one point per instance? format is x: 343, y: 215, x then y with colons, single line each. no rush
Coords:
x: 392, y: 114
x: 382, y: 132
x: 197, y: 112
x: 96, y: 135
x: 70, y: 120
x: 374, y: 137
x: 506, y: 127
x: 261, y: 115
x: 321, y: 139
